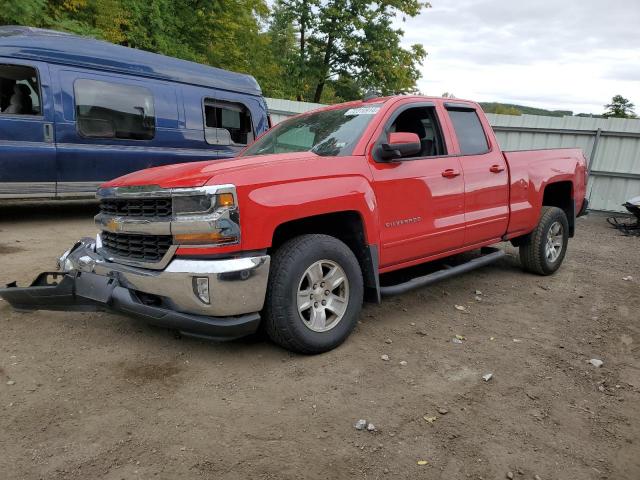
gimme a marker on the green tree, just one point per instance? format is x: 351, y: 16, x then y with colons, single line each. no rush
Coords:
x: 24, y: 12
x: 216, y: 32
x: 351, y: 45
x: 501, y: 109
x: 285, y: 80
x: 619, y: 107
x: 507, y: 110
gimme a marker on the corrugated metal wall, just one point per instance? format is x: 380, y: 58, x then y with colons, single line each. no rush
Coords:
x: 614, y: 162
x: 281, y: 109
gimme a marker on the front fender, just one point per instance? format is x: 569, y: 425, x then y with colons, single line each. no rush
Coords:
x: 268, y: 206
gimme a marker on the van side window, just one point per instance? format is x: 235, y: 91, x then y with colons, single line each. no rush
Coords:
x: 19, y: 90
x: 111, y: 110
x: 235, y: 118
x: 423, y: 122
x: 469, y: 131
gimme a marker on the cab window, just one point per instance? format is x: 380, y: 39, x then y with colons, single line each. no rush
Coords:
x: 19, y: 90
x: 422, y: 121
x: 469, y: 131
x: 112, y: 110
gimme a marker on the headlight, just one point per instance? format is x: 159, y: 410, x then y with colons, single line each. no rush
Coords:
x: 193, y: 204
x: 208, y: 217
x: 201, y: 204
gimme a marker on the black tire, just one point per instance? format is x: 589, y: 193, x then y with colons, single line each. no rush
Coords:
x: 533, y: 254
x: 283, y: 322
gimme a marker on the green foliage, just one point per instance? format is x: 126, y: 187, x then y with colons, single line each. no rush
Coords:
x: 507, y: 110
x: 318, y: 50
x: 619, y: 107
x: 501, y: 109
x: 589, y: 115
x: 23, y: 12
x: 346, y: 47
x: 510, y: 109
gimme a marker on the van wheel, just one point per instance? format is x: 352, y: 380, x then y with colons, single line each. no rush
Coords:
x: 314, y: 295
x: 544, y: 252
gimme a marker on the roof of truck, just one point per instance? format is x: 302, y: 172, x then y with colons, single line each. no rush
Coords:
x: 373, y: 101
x: 37, y: 44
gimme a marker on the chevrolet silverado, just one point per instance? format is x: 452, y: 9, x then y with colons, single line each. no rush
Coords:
x: 297, y: 231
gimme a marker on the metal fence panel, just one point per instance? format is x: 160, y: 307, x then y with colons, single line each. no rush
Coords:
x: 612, y: 146
x: 281, y: 109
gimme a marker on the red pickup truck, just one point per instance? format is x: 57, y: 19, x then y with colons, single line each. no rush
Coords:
x: 300, y: 228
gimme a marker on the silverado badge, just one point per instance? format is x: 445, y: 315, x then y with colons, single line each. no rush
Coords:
x: 404, y: 221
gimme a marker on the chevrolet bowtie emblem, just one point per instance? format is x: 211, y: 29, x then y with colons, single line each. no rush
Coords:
x: 113, y: 225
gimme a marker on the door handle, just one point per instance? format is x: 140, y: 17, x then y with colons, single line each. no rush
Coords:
x: 496, y: 168
x: 48, y: 132
x: 450, y: 173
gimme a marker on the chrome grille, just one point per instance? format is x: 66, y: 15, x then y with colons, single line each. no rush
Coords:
x: 137, y: 207
x: 149, y: 248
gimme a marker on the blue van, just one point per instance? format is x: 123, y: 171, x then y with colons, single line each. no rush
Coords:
x: 75, y: 112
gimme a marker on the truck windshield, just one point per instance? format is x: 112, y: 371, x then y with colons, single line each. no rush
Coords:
x: 326, y: 133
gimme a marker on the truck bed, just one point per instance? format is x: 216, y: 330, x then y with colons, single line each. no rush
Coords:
x: 529, y: 173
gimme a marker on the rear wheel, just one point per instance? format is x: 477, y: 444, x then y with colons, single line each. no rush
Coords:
x: 314, y: 295
x: 544, y: 252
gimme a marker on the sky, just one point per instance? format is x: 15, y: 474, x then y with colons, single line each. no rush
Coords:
x: 556, y: 54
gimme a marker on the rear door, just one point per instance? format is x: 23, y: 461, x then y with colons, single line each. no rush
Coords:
x: 27, y: 147
x: 486, y: 178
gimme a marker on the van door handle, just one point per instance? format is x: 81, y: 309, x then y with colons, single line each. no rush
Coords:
x: 450, y: 173
x: 496, y: 168
x: 48, y: 132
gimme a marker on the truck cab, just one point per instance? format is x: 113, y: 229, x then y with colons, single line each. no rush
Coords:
x: 307, y: 221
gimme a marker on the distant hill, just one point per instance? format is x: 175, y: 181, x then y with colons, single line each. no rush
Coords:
x: 511, y: 109
x: 590, y: 115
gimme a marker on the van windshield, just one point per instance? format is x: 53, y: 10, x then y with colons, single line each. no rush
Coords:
x: 326, y: 133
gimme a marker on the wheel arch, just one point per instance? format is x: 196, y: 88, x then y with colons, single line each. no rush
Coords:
x: 560, y: 194
x: 347, y: 226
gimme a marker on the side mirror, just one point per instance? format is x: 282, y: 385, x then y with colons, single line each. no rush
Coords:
x: 399, y: 145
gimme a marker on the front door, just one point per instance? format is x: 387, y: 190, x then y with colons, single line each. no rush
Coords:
x: 27, y: 147
x: 420, y: 199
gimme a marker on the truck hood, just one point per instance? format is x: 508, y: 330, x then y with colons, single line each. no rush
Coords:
x: 197, y: 174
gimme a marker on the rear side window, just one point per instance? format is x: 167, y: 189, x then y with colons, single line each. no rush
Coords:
x: 19, y: 90
x: 227, y: 123
x: 111, y: 110
x: 469, y: 131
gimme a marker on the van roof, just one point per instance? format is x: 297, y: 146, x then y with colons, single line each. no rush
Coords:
x: 30, y: 43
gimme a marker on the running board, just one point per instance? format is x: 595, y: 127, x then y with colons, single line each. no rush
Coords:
x: 493, y: 255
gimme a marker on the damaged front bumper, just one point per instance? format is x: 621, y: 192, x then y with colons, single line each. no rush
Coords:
x: 226, y: 307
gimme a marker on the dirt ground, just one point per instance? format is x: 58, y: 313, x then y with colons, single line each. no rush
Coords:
x: 101, y: 395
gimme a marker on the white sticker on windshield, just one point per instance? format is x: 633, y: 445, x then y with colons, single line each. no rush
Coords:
x: 362, y: 111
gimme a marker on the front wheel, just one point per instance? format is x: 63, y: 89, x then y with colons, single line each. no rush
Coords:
x: 544, y: 252
x: 314, y: 295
